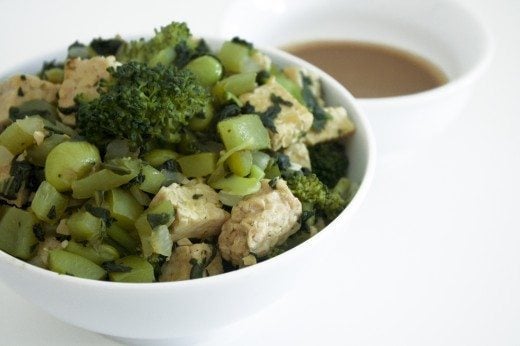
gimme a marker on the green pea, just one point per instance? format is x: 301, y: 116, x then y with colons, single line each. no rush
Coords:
x: 207, y: 69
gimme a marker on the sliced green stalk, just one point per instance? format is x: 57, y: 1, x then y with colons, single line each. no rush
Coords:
x: 37, y: 154
x: 235, y: 185
x: 20, y: 135
x: 240, y: 162
x: 84, y: 226
x: 207, y: 69
x: 70, y: 161
x: 123, y: 207
x: 244, y: 128
x: 64, y: 262
x: 153, y: 179
x: 132, y: 269
x: 98, y: 254
x: 157, y: 157
x: 198, y: 165
x: 16, y: 232
x: 122, y: 237
x: 48, y: 204
x: 157, y: 215
x: 236, y: 84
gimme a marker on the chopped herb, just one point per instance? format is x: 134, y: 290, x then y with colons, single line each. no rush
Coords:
x: 20, y: 92
x: 248, y: 108
x: 38, y: 231
x: 275, y: 99
x: 106, y: 47
x: 273, y: 182
x: 170, y: 165
x: 117, y: 169
x: 63, y: 237
x: 52, y: 213
x: 157, y: 219
x: 23, y: 77
x: 228, y: 110
x: 99, y: 212
x: 320, y: 116
x: 262, y: 77
x: 242, y: 42
x: 113, y: 267
x: 269, y: 116
x: 69, y: 110
x: 197, y: 196
x: 283, y: 161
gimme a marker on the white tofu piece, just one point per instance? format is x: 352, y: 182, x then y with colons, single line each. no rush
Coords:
x: 298, y: 154
x: 291, y: 123
x: 338, y: 126
x: 181, y: 265
x: 198, y: 210
x: 260, y: 222
x: 19, y: 89
x: 82, y: 76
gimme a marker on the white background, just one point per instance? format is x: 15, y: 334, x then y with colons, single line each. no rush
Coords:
x: 433, y: 258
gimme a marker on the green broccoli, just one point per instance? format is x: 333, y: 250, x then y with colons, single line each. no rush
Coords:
x: 315, y: 195
x: 171, y: 44
x: 329, y: 162
x: 145, y: 105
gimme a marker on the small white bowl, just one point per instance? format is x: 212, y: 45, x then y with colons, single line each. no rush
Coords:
x: 190, y: 310
x: 441, y: 31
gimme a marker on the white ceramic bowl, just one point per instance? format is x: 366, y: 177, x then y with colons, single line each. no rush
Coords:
x: 189, y: 309
x: 442, y: 31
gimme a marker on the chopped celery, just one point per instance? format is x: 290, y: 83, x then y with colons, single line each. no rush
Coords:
x: 105, y: 179
x: 38, y: 154
x: 84, y: 226
x: 198, y: 165
x: 233, y: 56
x: 20, y: 135
x: 122, y: 237
x: 16, y: 232
x: 123, y: 207
x: 240, y: 162
x: 157, y: 157
x: 235, y: 185
x: 157, y: 215
x: 70, y: 161
x: 236, y: 84
x: 256, y: 172
x: 152, y: 181
x: 98, y: 254
x: 207, y: 69
x: 132, y: 269
x: 261, y: 159
x: 48, y: 204
x: 244, y: 128
x: 64, y: 262
x: 140, y: 196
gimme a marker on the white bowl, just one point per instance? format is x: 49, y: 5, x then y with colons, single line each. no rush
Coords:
x: 442, y: 31
x: 188, y: 309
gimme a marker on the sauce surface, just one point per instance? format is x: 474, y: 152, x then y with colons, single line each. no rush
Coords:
x: 371, y: 70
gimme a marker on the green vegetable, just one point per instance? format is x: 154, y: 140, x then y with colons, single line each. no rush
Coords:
x: 99, y: 254
x: 235, y: 185
x: 37, y: 154
x: 240, y: 162
x: 161, y: 214
x: 309, y: 189
x: 64, y: 262
x: 145, y: 105
x: 48, y: 204
x: 242, y: 129
x: 236, y: 85
x: 153, y: 179
x: 20, y: 135
x: 16, y: 232
x: 122, y: 237
x: 329, y: 162
x: 84, y: 226
x: 106, y: 179
x: 157, y: 157
x: 320, y: 116
x: 123, y: 207
x: 131, y: 269
x: 206, y: 69
x: 70, y: 161
x: 198, y: 165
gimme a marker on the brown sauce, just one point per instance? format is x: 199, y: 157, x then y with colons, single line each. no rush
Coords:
x: 371, y: 70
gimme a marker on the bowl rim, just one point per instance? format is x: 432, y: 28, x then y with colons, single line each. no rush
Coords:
x: 369, y: 142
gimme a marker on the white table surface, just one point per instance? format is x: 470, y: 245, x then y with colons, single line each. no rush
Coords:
x: 433, y: 258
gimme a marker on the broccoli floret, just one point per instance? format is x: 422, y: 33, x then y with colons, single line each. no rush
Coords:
x: 171, y: 44
x: 329, y: 162
x: 145, y: 105
x: 311, y: 191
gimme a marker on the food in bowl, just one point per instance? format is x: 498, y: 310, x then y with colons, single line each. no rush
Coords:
x: 159, y: 160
